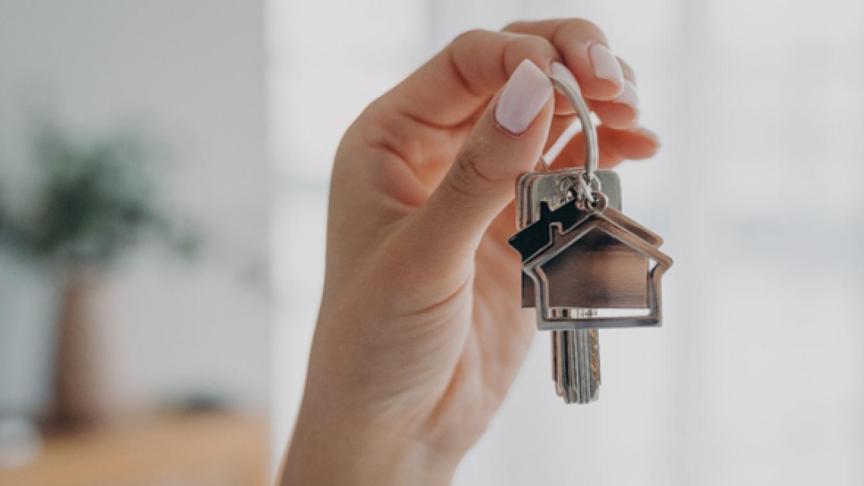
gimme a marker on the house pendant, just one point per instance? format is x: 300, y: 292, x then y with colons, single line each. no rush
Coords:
x: 592, y: 269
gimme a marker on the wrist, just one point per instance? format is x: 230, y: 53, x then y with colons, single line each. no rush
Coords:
x: 345, y: 452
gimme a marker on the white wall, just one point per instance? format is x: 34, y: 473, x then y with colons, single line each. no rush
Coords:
x: 191, y: 75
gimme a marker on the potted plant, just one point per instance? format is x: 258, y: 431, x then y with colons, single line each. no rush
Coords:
x: 93, y: 202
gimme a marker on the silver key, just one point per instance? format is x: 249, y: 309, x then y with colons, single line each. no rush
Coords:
x: 576, y: 364
x: 585, y: 265
x: 575, y: 354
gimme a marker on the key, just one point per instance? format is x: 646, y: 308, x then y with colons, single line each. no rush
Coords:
x: 585, y: 265
x: 576, y: 365
x: 575, y: 354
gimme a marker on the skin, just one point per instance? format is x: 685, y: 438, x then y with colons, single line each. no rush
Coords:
x: 420, y: 332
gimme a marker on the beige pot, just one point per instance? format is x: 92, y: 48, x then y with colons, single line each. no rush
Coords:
x: 85, y: 385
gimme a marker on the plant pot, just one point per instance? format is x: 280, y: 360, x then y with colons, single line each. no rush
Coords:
x: 85, y: 384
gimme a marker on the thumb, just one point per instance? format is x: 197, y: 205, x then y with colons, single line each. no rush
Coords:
x: 506, y: 141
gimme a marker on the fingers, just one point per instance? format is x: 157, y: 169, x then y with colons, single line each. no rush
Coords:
x: 449, y: 90
x: 620, y: 114
x: 506, y: 142
x: 606, y: 81
x: 454, y: 85
x: 623, y: 111
x: 629, y: 74
x: 615, y: 145
x: 585, y: 51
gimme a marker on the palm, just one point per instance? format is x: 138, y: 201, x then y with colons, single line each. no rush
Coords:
x: 498, y: 329
x: 504, y: 330
x: 493, y: 333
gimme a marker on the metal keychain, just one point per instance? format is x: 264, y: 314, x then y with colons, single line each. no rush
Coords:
x: 575, y: 354
x: 585, y: 264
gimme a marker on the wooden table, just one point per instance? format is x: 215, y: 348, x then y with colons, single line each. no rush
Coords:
x: 202, y: 449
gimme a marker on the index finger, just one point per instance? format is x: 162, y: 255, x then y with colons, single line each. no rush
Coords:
x: 455, y: 84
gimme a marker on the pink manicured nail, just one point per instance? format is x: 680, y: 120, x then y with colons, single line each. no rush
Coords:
x: 629, y: 97
x: 605, y: 64
x: 522, y: 98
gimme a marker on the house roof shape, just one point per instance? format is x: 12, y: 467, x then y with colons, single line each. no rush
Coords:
x: 536, y: 237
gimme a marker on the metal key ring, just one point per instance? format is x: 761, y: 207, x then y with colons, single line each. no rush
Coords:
x: 568, y: 88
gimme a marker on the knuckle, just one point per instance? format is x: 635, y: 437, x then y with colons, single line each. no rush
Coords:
x: 467, y: 177
x: 515, y: 26
x: 468, y: 37
x: 579, y: 23
x: 519, y: 47
x: 579, y: 27
x: 527, y: 45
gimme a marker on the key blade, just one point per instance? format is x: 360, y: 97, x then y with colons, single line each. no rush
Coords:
x: 575, y: 354
x: 576, y: 365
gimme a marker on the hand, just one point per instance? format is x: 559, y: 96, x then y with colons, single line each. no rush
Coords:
x: 420, y: 332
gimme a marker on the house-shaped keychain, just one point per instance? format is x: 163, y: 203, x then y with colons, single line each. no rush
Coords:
x: 584, y: 264
x: 592, y: 268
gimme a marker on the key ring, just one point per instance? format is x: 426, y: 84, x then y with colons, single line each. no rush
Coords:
x: 589, y: 184
x: 584, y: 264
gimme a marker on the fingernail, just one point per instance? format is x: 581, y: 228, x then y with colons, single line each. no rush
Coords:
x: 605, y: 64
x: 523, y: 97
x: 629, y: 97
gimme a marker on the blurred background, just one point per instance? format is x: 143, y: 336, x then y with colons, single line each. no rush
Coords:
x: 135, y: 184
x: 163, y: 185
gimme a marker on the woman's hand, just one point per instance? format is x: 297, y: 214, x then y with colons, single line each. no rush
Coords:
x: 420, y: 332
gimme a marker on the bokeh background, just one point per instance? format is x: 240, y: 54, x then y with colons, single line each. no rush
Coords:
x: 754, y: 377
x: 165, y: 375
